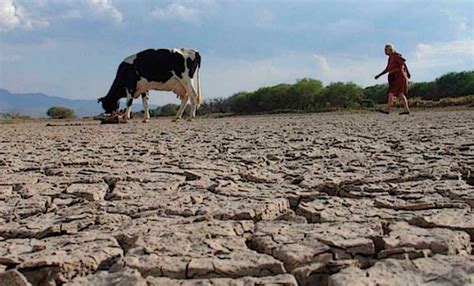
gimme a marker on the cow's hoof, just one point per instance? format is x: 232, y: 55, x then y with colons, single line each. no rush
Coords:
x: 146, y: 120
x: 175, y: 120
x: 190, y: 119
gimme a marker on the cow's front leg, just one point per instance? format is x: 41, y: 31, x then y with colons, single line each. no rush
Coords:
x: 129, y: 106
x: 182, y: 107
x: 145, y: 107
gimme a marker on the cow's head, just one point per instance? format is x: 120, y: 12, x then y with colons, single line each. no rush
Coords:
x: 126, y: 79
x: 109, y: 103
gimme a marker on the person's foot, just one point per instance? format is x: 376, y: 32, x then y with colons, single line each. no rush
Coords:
x: 404, y: 113
x: 383, y: 111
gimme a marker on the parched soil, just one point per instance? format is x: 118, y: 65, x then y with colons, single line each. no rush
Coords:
x: 319, y: 199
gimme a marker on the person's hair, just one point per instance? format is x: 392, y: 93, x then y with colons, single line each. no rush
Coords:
x: 390, y: 47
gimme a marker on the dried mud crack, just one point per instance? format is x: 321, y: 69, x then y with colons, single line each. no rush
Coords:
x: 320, y: 199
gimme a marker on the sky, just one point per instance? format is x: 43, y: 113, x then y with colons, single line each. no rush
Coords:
x: 72, y: 48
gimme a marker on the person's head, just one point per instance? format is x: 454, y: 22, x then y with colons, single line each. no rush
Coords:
x: 390, y: 49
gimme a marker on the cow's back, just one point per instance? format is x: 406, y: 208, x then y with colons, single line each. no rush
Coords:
x: 159, y: 65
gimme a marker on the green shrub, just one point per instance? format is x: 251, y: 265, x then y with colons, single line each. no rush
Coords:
x: 59, y: 112
x: 366, y: 102
x: 167, y: 110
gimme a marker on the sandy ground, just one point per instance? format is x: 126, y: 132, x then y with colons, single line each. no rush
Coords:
x: 338, y: 199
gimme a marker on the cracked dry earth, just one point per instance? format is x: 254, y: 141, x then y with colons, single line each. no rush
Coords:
x: 320, y: 199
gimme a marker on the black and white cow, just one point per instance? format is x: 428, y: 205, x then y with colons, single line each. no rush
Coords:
x: 161, y: 69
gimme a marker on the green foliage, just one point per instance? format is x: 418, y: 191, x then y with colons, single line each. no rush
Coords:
x: 423, y: 90
x: 454, y: 85
x: 166, y: 110
x: 59, y: 112
x: 269, y: 98
x: 343, y: 95
x: 377, y: 93
x: 214, y: 105
x: 240, y: 103
x: 152, y: 112
x: 305, y: 94
x: 367, y: 102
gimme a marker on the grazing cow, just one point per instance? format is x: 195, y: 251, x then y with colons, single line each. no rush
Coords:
x: 162, y: 69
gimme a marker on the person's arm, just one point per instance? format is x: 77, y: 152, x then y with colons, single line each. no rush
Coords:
x: 381, y: 74
x: 386, y: 70
x: 392, y: 66
x: 389, y: 71
x: 408, y: 72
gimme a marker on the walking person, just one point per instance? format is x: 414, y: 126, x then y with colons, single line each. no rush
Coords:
x: 398, y: 76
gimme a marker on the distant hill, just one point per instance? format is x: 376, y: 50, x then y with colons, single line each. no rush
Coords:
x: 37, y: 104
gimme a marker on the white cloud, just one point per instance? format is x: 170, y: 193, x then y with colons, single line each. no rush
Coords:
x: 446, y: 49
x: 321, y: 62
x: 176, y: 10
x: 13, y: 15
x: 8, y: 16
x: 29, y: 15
x: 445, y: 54
x: 106, y: 8
x: 71, y: 14
x: 459, y: 21
x: 184, y: 10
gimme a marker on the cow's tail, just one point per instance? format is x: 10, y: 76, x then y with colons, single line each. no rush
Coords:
x: 198, y: 84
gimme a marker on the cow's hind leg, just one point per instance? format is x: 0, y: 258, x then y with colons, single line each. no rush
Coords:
x: 193, y: 98
x: 145, y: 107
x: 182, y: 107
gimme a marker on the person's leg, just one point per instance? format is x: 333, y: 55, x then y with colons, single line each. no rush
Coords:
x: 405, y: 103
x: 388, y: 109
x: 389, y: 102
